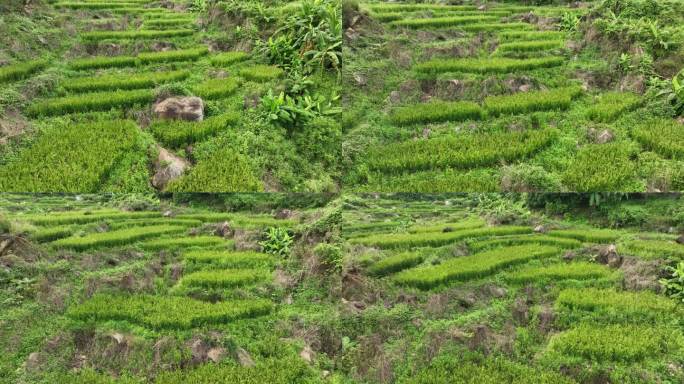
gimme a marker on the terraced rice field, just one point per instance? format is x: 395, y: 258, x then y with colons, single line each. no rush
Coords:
x: 499, y: 97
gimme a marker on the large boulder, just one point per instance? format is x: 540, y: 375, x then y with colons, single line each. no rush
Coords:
x: 168, y: 167
x: 180, y: 108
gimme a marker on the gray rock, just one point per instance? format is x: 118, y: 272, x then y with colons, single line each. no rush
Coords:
x: 180, y: 108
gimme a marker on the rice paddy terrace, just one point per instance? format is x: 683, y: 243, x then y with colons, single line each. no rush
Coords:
x: 495, y: 97
x: 96, y: 115
x: 556, y: 300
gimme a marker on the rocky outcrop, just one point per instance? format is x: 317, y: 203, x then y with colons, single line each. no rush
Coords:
x: 180, y: 108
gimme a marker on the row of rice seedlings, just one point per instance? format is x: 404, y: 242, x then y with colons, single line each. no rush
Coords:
x: 449, y: 180
x: 528, y: 239
x: 73, y: 158
x: 531, y: 35
x: 161, y: 312
x: 93, y: 5
x: 385, y: 7
x: 144, y: 11
x: 471, y: 267
x: 436, y: 111
x: 142, y: 59
x: 116, y: 238
x: 118, y: 223
x: 392, y: 16
x: 529, y: 46
x: 123, y: 81
x: 223, y: 259
x: 395, y: 263
x: 442, y: 22
x: 89, y: 102
x: 526, y: 102
x: 571, y: 271
x: 168, y: 23
x: 223, y: 278
x: 459, y: 151
x: 47, y: 234
x: 593, y: 235
x: 487, y: 65
x: 495, y: 27
x: 601, y: 167
x: 216, y: 88
x: 261, y: 73
x: 617, y: 343
x: 185, y: 242
x: 228, y: 58
x: 611, y: 105
x: 652, y: 249
x: 663, y: 136
x: 434, y: 239
x: 20, y: 71
x: 225, y: 170
x: 138, y: 35
x: 178, y: 133
x: 83, y: 217
x: 355, y: 230
x: 470, y: 223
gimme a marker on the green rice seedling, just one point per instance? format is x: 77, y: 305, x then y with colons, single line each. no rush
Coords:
x: 459, y: 151
x: 495, y: 27
x: 20, y: 71
x: 123, y: 81
x: 261, y: 73
x: 184, y: 242
x: 43, y: 235
x: 442, y: 22
x: 469, y: 223
x: 601, y: 167
x: 73, y: 158
x: 98, y: 62
x: 224, y: 171
x: 177, y: 133
x: 471, y: 267
x: 617, y: 343
x: 575, y: 271
x: 395, y: 263
x: 89, y: 102
x: 117, y: 224
x: 652, y: 249
x: 531, y: 35
x: 222, y: 259
x: 115, y: 238
x: 436, y: 111
x: 488, y: 65
x: 611, y: 105
x: 593, y: 235
x: 663, y: 136
x: 225, y: 59
x: 526, y: 102
x: 527, y: 239
x: 172, y: 56
x: 136, y: 35
x: 216, y: 88
x: 163, y: 312
x: 434, y: 239
x: 225, y: 278
x: 529, y: 46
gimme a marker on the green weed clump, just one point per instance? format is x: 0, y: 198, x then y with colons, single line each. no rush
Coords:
x: 611, y: 105
x: 172, y: 56
x: 98, y: 62
x: 225, y: 59
x: 178, y: 133
x: 223, y: 259
x: 529, y: 46
x: 488, y: 65
x: 460, y: 151
x: 593, y: 235
x: 20, y: 71
x: 575, y: 271
x: 527, y: 239
x: 216, y: 88
x: 663, y: 136
x: 123, y: 81
x: 261, y: 73
x: 652, y: 249
x: 136, y: 35
x: 73, y: 158
x: 434, y: 239
x: 436, y: 111
x: 225, y: 278
x: 472, y: 267
x: 89, y: 102
x: 184, y: 242
x: 601, y: 167
x: 526, y: 102
x: 395, y: 263
x: 532, y: 35
x: 224, y: 171
x: 164, y: 312
x: 116, y: 238
x: 442, y: 22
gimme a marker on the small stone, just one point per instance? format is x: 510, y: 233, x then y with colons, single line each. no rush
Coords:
x: 244, y: 358
x: 307, y: 354
x: 216, y: 354
x: 180, y: 108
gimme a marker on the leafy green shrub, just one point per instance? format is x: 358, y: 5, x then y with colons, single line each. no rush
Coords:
x: 673, y: 284
x: 172, y: 56
x: 116, y: 238
x: 664, y: 136
x: 261, y: 73
x: 626, y: 215
x: 527, y: 239
x: 611, y: 105
x: 330, y: 256
x: 601, y: 167
x: 460, y: 151
x: 161, y: 312
x: 436, y: 111
x: 441, y: 22
x: 71, y: 158
x: 588, y: 235
x: 184, y: 242
x: 100, y: 101
x: 225, y: 59
x: 395, y: 263
x: 576, y: 271
x: 652, y: 249
x: 178, y: 133
x: 103, y: 62
x: 21, y: 71
x: 124, y: 81
x: 320, y: 140
x: 435, y: 239
x: 488, y: 65
x: 529, y: 46
x: 223, y: 259
x: 277, y: 241
x: 526, y: 102
x: 472, y: 267
x: 222, y: 171
x: 225, y: 278
x: 216, y: 88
